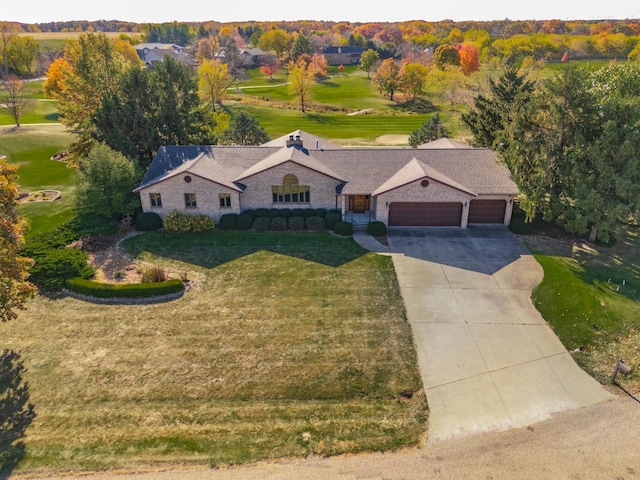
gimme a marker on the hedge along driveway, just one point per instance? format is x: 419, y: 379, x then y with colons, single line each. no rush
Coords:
x: 287, y: 344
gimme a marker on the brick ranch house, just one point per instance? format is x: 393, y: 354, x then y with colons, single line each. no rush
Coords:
x: 443, y: 183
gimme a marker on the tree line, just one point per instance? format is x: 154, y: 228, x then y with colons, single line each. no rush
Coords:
x: 549, y: 40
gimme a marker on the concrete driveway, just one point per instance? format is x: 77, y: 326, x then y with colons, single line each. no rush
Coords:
x: 488, y: 359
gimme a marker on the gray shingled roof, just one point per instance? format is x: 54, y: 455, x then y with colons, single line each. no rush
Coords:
x: 444, y: 143
x: 292, y: 154
x: 363, y: 170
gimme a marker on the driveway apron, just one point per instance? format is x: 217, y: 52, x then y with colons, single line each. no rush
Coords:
x: 488, y: 359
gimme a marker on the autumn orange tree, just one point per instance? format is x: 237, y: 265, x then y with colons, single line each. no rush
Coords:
x: 388, y: 78
x: 15, y: 289
x: 469, y: 58
x: 301, y: 76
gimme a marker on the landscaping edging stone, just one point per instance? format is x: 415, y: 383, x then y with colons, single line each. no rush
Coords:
x: 125, y: 301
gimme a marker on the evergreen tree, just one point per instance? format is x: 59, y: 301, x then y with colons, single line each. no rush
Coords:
x: 301, y: 46
x: 491, y: 113
x: 245, y: 130
x: 153, y: 108
x: 430, y: 130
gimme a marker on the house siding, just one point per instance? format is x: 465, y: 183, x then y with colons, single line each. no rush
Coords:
x: 173, y: 189
x: 258, y: 192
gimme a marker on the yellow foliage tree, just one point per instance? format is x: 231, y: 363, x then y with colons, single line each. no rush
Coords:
x: 214, y: 79
x: 14, y: 287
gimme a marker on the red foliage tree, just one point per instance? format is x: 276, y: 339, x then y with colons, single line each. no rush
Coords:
x: 469, y: 58
x: 269, y: 66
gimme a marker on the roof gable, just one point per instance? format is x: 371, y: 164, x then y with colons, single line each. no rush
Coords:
x: 296, y: 155
x: 413, y: 171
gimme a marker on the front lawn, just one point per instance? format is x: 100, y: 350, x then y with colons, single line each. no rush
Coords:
x: 287, y: 344
x: 590, y: 295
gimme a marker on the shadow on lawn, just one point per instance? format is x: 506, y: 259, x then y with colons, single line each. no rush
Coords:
x: 211, y: 249
x: 16, y: 413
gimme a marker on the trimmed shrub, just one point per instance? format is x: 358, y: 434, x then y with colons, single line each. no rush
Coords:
x: 123, y: 290
x: 146, y: 222
x: 52, y: 267
x: 228, y: 221
x: 262, y: 212
x: 250, y: 212
x: 261, y: 224
x: 285, y: 212
x: 320, y: 212
x: 297, y: 212
x: 343, y: 228
x: 377, y: 229
x: 181, y: 222
x: 245, y: 221
x: 274, y: 212
x: 296, y: 223
x: 309, y: 212
x: 314, y: 223
x: 331, y: 218
x: 278, y: 224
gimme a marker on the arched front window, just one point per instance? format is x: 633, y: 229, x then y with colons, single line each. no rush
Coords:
x: 290, y: 191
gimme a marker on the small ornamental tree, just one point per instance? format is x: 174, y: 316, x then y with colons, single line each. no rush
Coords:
x: 269, y: 65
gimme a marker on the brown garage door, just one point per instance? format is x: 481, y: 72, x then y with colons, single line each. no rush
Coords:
x: 425, y: 214
x: 487, y: 211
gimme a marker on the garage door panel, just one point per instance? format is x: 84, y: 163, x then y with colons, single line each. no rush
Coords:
x: 425, y: 214
x: 487, y: 211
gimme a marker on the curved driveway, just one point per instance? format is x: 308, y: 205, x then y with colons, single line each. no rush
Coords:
x: 488, y: 359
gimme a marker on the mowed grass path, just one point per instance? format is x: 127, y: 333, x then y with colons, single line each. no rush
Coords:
x: 287, y: 344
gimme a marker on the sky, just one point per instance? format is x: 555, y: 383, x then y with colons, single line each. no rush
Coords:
x: 159, y: 11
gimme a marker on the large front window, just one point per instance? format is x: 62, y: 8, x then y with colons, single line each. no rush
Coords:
x: 290, y: 191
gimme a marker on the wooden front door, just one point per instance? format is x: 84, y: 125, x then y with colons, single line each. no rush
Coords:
x: 359, y: 203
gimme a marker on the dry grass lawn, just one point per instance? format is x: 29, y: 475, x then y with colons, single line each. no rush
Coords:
x: 287, y: 345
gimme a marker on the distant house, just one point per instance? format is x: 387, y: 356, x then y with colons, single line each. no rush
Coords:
x: 342, y: 55
x: 151, y: 53
x: 252, y: 57
x: 446, y: 184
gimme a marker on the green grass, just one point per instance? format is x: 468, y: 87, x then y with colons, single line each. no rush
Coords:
x: 288, y: 344
x: 591, y: 298
x: 36, y: 111
x: 31, y: 148
x: 344, y: 129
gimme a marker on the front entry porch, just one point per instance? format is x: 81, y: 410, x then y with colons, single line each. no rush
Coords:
x: 359, y: 211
